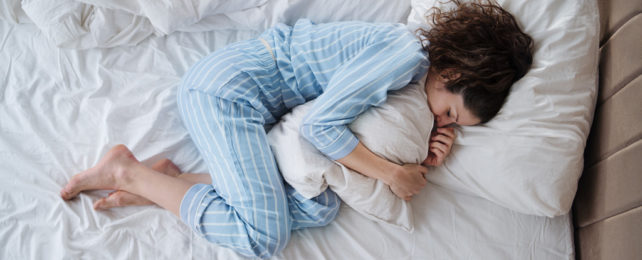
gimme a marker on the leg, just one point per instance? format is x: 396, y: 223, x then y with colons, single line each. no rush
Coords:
x: 249, y: 183
x: 119, y: 170
x: 316, y: 212
x: 122, y: 198
x: 245, y: 208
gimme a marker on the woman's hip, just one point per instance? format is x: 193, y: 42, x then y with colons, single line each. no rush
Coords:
x: 233, y: 70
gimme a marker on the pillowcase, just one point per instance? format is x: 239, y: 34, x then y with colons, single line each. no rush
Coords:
x: 530, y: 157
x: 398, y: 130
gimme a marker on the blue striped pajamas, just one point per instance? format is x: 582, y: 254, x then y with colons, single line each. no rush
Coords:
x: 228, y: 100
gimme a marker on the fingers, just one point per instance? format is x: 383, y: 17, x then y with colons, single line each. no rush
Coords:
x: 447, y: 131
x: 441, y: 143
x: 409, y: 181
x: 406, y: 194
x: 398, y: 193
x: 438, y: 156
x: 430, y: 160
x: 444, y: 148
x: 444, y: 135
x: 442, y: 139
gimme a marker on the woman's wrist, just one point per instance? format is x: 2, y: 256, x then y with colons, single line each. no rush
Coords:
x: 369, y: 164
x: 387, y: 170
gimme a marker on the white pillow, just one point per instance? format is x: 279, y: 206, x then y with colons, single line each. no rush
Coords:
x: 398, y: 130
x: 530, y: 157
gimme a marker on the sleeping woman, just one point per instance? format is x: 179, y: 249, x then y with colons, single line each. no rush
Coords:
x: 472, y: 55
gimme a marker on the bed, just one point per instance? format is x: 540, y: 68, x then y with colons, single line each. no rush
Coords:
x: 69, y: 93
x: 607, y: 213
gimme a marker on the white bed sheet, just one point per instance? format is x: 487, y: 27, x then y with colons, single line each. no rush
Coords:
x: 62, y: 109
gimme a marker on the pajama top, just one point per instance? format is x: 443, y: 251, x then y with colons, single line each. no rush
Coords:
x: 347, y: 67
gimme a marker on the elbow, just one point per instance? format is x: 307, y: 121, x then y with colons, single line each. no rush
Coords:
x: 307, y: 131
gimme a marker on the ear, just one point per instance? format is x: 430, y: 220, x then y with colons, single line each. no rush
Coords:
x: 449, y: 74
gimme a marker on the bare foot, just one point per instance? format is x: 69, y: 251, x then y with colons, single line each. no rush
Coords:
x: 108, y: 173
x: 122, y: 198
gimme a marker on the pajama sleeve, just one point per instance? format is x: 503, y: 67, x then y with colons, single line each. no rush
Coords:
x: 390, y: 63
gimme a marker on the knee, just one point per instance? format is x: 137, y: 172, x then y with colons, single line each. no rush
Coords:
x: 327, y: 215
x: 182, y: 92
x: 269, y: 244
x: 330, y: 205
x: 331, y: 215
x: 252, y: 241
x: 185, y: 99
x: 260, y: 235
x: 335, y: 206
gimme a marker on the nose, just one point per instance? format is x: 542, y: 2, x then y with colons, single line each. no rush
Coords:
x: 444, y: 121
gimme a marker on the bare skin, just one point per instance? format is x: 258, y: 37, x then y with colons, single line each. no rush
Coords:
x: 120, y: 170
x: 121, y: 198
x: 441, y: 142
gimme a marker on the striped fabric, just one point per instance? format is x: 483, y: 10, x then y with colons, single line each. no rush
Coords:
x: 353, y: 64
x: 229, y: 99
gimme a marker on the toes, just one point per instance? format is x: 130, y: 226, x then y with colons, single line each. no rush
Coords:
x: 70, y: 190
x: 112, y: 200
x: 104, y: 175
x: 100, y: 204
x: 121, y: 199
x: 65, y: 194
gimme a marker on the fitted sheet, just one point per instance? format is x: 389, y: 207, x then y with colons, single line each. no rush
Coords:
x: 62, y: 109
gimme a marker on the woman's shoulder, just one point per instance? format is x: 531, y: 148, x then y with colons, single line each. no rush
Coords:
x: 397, y: 29
x: 376, y: 35
x: 398, y: 34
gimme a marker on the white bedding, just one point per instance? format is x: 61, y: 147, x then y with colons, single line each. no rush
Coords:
x: 62, y: 109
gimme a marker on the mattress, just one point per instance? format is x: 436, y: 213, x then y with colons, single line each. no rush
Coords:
x: 61, y: 109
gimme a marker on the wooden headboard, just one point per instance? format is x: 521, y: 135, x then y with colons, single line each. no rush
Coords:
x: 607, y: 209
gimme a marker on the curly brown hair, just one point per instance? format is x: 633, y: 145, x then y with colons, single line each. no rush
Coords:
x: 483, y: 45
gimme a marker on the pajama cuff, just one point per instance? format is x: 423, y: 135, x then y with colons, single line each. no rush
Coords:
x: 192, y: 207
x: 341, y: 147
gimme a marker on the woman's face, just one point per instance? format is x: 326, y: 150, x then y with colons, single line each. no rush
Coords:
x: 447, y: 107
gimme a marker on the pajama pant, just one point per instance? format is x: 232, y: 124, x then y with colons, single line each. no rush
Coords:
x: 226, y: 102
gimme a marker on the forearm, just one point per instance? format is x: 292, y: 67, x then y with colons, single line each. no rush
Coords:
x: 364, y: 161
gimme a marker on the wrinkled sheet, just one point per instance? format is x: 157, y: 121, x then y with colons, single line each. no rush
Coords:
x: 62, y: 109
x: 86, y: 24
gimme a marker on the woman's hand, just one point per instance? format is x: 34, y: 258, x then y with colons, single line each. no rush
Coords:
x: 407, y: 180
x: 404, y: 180
x: 441, y: 142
